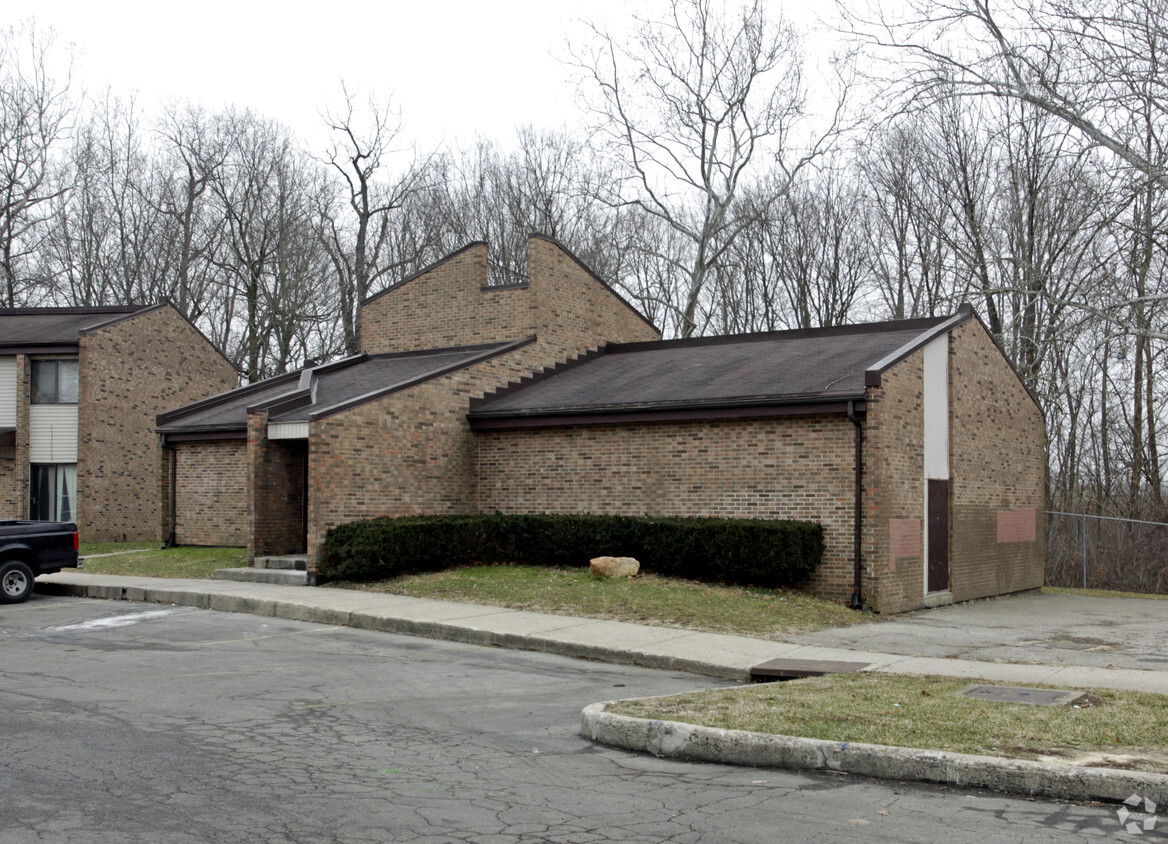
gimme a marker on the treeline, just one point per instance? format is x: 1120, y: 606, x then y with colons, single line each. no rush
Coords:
x: 1023, y: 171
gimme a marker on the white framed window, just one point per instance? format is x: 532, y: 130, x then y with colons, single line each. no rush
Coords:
x: 54, y: 382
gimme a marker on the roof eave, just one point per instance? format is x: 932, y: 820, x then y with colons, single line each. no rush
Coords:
x: 786, y: 406
x: 875, y: 373
x: 348, y: 404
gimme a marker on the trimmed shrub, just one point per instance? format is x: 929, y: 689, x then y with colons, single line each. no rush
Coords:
x: 757, y: 552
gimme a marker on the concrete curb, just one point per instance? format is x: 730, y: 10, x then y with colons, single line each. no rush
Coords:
x: 675, y: 740
x: 365, y: 620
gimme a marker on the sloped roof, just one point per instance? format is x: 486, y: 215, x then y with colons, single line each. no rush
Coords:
x: 36, y: 328
x: 319, y: 391
x: 807, y: 366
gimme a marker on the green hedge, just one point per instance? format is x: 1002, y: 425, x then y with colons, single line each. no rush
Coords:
x: 744, y: 551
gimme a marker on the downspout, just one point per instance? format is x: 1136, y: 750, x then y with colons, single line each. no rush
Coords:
x: 857, y: 602
x: 170, y: 537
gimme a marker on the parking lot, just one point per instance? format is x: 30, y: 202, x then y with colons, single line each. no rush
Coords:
x: 146, y: 722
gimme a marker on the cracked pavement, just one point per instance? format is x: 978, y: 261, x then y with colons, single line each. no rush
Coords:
x: 128, y: 722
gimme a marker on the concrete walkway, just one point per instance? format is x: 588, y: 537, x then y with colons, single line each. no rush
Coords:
x: 711, y: 654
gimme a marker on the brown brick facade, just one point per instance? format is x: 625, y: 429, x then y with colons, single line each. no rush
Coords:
x: 998, y: 467
x: 408, y: 453
x: 212, y: 498
x: 130, y: 371
x: 276, y: 490
x: 450, y: 304
x: 574, y: 310
x: 997, y: 462
x: 803, y: 468
x: 14, y: 473
x: 894, y: 473
x: 786, y: 468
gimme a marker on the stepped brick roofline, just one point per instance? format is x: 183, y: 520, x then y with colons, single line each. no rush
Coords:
x: 519, y: 286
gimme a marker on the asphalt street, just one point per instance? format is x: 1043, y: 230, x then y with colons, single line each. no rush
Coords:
x: 125, y: 722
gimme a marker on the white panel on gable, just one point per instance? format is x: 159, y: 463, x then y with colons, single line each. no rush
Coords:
x: 7, y: 391
x: 936, y: 401
x: 52, y: 433
x: 287, y: 430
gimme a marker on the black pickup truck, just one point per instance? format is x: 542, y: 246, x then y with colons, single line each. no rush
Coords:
x: 31, y: 548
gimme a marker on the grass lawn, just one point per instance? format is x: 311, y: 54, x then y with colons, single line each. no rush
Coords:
x: 647, y: 599
x: 1100, y: 593
x: 1113, y: 728
x: 149, y: 559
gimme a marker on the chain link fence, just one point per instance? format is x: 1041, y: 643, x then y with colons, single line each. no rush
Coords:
x: 1104, y: 552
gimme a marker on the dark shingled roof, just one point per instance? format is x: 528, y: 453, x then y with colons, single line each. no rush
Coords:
x: 784, y: 367
x: 320, y: 391
x: 33, y: 327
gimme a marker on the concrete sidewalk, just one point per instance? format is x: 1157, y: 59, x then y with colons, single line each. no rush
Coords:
x: 711, y: 654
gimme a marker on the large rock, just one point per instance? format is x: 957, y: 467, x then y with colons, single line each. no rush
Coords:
x: 614, y: 566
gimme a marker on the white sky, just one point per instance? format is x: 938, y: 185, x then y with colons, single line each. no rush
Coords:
x: 454, y: 67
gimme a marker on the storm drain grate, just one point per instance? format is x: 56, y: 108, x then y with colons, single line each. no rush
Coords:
x: 1018, y: 694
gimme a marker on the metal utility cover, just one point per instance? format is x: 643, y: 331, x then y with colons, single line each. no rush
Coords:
x: 790, y: 669
x: 1018, y: 694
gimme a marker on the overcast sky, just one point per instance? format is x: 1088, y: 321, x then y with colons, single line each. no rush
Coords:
x: 454, y: 67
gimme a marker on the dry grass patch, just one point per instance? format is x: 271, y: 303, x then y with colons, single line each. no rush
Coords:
x: 646, y: 599
x: 147, y: 559
x: 1116, y: 728
x: 1100, y: 593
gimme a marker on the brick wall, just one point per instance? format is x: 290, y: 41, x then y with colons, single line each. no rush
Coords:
x: 14, y: 474
x: 997, y: 465
x: 996, y: 472
x: 276, y: 489
x: 894, y: 487
x: 130, y: 372
x: 412, y: 452
x: 788, y: 468
x: 405, y: 454
x: 574, y: 309
x: 449, y: 304
x: 211, y: 497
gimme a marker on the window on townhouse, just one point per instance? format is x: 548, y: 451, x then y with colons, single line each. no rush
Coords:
x: 53, y: 492
x: 54, y: 382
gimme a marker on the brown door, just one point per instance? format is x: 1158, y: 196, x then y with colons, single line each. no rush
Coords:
x: 938, y: 536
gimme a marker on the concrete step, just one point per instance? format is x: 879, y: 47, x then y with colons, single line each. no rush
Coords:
x: 285, y: 577
x: 287, y: 562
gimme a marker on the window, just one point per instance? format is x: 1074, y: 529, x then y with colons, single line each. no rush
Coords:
x: 53, y: 492
x: 54, y: 382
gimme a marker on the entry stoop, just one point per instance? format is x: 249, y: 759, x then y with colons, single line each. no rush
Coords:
x: 288, y: 562
x: 288, y: 570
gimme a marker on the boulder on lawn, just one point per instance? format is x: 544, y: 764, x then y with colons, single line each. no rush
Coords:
x: 614, y: 566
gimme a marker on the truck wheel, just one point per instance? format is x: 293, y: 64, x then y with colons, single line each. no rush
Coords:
x: 15, y: 582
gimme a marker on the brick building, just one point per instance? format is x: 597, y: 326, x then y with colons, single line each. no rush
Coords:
x: 887, y: 434
x: 79, y: 392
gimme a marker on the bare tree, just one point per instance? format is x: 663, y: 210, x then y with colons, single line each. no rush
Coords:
x: 35, y: 114
x: 365, y: 138
x: 693, y: 104
x: 195, y: 147
x: 1080, y: 62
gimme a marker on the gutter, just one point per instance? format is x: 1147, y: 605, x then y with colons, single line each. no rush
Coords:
x: 857, y: 602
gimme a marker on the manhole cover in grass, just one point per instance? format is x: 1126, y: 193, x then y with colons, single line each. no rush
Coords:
x: 1018, y: 694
